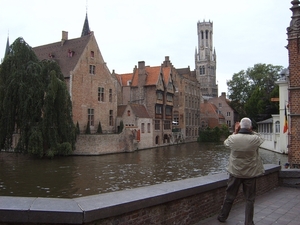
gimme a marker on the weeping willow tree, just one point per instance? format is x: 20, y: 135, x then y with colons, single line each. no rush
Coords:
x: 35, y: 103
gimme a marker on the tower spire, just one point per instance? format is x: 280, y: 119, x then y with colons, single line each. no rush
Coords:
x: 7, y: 47
x: 86, y: 28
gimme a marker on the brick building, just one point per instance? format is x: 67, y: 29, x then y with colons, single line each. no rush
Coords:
x: 229, y: 115
x: 91, y: 86
x: 293, y: 33
x: 210, y: 116
x: 187, y: 103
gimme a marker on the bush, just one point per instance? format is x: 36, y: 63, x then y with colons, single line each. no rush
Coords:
x: 88, y: 129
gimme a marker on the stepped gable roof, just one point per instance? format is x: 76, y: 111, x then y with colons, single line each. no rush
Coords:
x: 137, y: 109
x: 60, y: 52
x: 124, y: 78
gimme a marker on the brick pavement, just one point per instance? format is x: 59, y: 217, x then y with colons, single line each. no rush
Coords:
x: 280, y: 206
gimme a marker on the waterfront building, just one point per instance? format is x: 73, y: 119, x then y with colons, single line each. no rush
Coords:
x: 136, y: 118
x: 91, y: 86
x: 153, y: 88
x: 187, y: 100
x: 210, y: 116
x: 223, y: 108
x: 206, y: 60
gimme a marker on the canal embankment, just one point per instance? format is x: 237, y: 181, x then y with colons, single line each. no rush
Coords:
x: 179, y: 202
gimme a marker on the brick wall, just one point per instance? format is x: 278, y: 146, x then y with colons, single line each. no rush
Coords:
x: 96, y: 144
x: 294, y: 86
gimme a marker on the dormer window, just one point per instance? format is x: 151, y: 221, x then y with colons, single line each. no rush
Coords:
x: 92, y: 54
x: 70, y: 53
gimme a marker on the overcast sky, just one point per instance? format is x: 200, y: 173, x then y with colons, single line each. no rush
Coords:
x: 245, y: 32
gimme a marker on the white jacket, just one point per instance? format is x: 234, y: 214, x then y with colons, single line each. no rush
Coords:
x: 244, y: 159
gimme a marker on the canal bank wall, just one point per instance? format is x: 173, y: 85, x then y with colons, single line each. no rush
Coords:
x: 180, y: 202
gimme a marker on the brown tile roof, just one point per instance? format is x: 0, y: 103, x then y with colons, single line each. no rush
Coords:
x: 166, y: 74
x: 139, y: 110
x: 153, y: 74
x: 208, y: 108
x: 124, y: 78
x: 151, y: 78
x: 60, y: 52
x: 120, y: 110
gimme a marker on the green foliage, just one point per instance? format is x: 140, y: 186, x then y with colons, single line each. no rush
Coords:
x: 99, y: 130
x: 88, y: 129
x: 34, y: 102
x: 213, y: 135
x: 224, y: 131
x: 210, y: 135
x: 251, y: 91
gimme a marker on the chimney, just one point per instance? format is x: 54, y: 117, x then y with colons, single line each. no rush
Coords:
x: 64, y: 37
x: 141, y: 65
x: 167, y: 61
x: 141, y: 73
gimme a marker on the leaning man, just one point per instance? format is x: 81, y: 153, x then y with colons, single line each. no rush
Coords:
x: 244, y: 166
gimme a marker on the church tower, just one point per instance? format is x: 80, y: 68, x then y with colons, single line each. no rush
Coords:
x: 205, y: 60
x: 86, y: 28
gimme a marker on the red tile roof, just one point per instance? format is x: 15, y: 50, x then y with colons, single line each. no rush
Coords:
x: 152, y: 75
x: 124, y: 78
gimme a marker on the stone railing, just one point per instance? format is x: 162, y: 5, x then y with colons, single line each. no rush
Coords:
x: 180, y: 202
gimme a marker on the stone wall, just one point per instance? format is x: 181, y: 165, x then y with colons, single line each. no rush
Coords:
x: 96, y: 144
x: 180, y: 202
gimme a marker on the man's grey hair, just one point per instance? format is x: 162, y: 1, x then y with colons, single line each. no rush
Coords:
x: 246, y: 123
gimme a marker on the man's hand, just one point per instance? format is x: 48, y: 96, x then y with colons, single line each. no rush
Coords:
x: 236, y: 127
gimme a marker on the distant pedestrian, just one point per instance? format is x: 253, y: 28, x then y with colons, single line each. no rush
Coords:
x: 287, y: 165
x: 244, y: 166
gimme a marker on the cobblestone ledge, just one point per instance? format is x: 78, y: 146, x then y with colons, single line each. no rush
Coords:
x: 179, y: 202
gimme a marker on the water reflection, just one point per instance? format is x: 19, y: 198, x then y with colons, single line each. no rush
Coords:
x: 76, y: 176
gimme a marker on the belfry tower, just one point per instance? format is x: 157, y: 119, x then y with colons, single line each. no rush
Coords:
x: 205, y: 60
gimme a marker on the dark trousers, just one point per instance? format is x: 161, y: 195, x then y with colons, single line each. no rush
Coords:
x: 249, y: 190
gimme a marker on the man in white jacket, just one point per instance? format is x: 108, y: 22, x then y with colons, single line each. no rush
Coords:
x: 244, y: 166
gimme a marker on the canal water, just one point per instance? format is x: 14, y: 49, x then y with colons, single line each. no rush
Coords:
x: 76, y: 176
